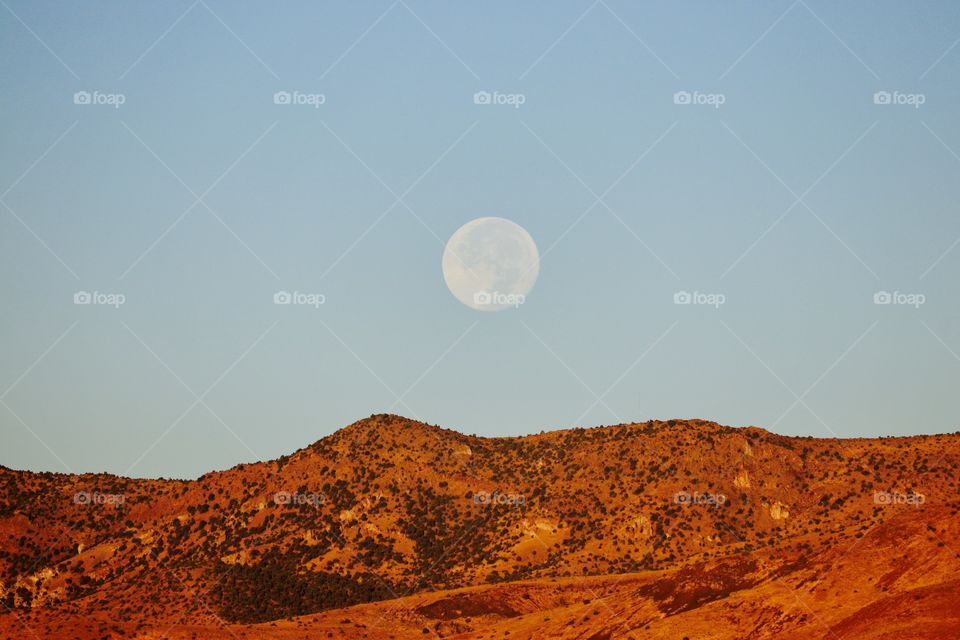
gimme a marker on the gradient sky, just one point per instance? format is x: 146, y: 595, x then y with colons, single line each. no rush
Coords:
x: 797, y: 199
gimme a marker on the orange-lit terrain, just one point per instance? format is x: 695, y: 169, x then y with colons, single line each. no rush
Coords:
x: 391, y: 528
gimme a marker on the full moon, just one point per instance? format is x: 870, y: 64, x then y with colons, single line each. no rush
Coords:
x: 491, y: 264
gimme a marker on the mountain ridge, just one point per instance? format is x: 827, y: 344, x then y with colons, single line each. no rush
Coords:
x: 363, y: 425
x: 387, y: 508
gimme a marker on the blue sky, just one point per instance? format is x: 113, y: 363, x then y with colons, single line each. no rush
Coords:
x: 797, y: 199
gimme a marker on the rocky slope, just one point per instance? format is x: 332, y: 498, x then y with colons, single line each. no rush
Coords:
x: 394, y: 528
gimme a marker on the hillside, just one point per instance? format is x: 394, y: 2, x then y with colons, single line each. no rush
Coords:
x: 659, y: 529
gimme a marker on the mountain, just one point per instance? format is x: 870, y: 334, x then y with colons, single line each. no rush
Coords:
x: 391, y: 528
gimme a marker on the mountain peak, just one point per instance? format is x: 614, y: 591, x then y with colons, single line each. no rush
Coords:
x: 386, y: 423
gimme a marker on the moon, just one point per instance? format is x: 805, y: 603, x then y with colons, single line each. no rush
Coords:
x: 491, y: 264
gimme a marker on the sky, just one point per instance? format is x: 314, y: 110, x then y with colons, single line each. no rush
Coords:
x: 790, y: 168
